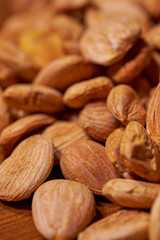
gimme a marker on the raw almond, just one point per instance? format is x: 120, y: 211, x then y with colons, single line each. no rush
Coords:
x: 154, y: 230
x: 131, y: 193
x: 28, y: 166
x: 86, y: 162
x: 62, y: 208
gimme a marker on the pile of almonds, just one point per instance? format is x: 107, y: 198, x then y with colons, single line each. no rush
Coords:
x: 80, y: 89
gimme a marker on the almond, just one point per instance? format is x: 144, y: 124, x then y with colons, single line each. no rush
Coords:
x: 154, y: 230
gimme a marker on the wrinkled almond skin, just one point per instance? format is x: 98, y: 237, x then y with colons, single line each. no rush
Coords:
x: 140, y: 154
x: 77, y: 95
x: 96, y: 119
x: 154, y: 230
x: 63, y: 72
x: 21, y: 128
x: 33, y: 98
x: 131, y: 193
x: 125, y: 104
x: 86, y: 162
x: 109, y: 42
x: 132, y: 64
x: 63, y: 134
x: 153, y: 117
x: 113, y: 153
x: 124, y: 224
x: 27, y: 167
x: 62, y: 208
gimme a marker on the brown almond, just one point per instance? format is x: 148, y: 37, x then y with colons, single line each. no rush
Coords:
x: 97, y: 120
x: 113, y: 153
x: 77, y: 95
x: 62, y: 208
x: 33, y: 98
x: 21, y: 128
x: 154, y: 230
x: 63, y: 72
x: 109, y: 42
x: 68, y: 5
x: 140, y: 154
x: 124, y: 224
x: 86, y: 162
x: 153, y: 117
x: 131, y: 193
x: 63, y: 134
x: 125, y: 104
x: 28, y: 166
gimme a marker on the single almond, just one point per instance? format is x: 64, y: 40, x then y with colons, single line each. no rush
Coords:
x: 77, y: 95
x: 124, y: 224
x: 63, y: 134
x: 141, y: 155
x: 27, y: 167
x: 131, y: 193
x: 125, y: 104
x: 33, y: 98
x: 63, y: 72
x: 97, y: 120
x: 21, y: 128
x: 62, y: 208
x: 86, y: 162
x: 154, y: 230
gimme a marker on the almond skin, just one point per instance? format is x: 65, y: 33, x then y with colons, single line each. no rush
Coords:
x: 131, y: 193
x: 141, y: 155
x: 65, y: 71
x: 63, y: 134
x: 21, y: 128
x: 33, y: 98
x: 81, y: 93
x: 97, y: 120
x: 154, y: 230
x: 28, y: 166
x: 125, y: 104
x: 124, y: 224
x: 62, y: 208
x: 86, y: 162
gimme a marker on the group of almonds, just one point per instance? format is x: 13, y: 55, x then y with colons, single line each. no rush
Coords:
x: 79, y: 88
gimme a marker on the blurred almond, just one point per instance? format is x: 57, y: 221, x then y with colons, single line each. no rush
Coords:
x: 62, y: 208
x: 63, y: 134
x: 33, y: 98
x: 28, y: 166
x: 97, y: 120
x: 86, y: 162
x: 125, y: 104
x: 154, y: 230
x: 77, y: 95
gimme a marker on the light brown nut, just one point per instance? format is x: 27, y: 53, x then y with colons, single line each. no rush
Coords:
x: 42, y: 46
x: 68, y: 5
x: 132, y: 64
x: 125, y: 104
x: 77, y: 95
x: 97, y: 120
x: 20, y: 129
x: 113, y: 153
x: 125, y: 10
x: 124, y: 224
x: 109, y: 42
x: 63, y: 134
x: 153, y: 117
x: 151, y: 6
x: 5, y: 113
x: 154, y: 230
x: 104, y: 209
x: 153, y: 36
x: 64, y: 72
x: 62, y: 208
x: 28, y: 166
x: 12, y: 57
x: 33, y: 98
x: 140, y: 154
x: 131, y: 193
x: 86, y: 162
